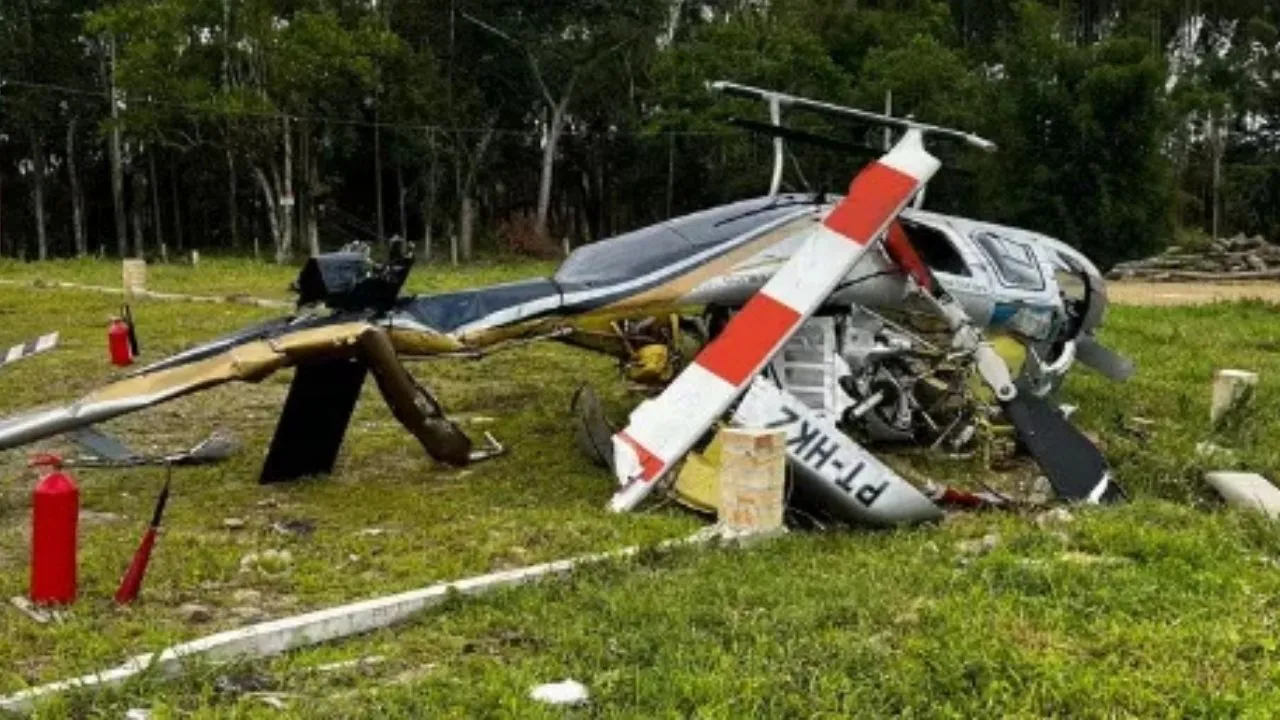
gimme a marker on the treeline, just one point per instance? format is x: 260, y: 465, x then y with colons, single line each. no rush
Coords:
x: 282, y: 127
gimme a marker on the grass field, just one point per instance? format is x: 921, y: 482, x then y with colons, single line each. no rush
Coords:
x: 1166, y: 606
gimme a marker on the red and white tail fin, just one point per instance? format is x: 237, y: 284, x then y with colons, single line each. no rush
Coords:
x: 662, y: 430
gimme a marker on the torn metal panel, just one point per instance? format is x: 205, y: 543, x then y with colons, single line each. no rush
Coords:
x: 833, y: 471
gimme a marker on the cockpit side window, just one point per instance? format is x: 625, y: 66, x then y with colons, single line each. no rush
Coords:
x: 1015, y: 262
x: 935, y: 249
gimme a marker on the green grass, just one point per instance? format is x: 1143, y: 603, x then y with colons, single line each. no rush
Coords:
x: 1162, y: 607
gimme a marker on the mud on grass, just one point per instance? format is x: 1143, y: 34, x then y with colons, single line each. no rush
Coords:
x: 1165, y: 606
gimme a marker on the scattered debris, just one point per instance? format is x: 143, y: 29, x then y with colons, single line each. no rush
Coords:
x: 300, y: 528
x: 242, y: 683
x: 1083, y: 558
x: 1211, y: 451
x: 980, y: 547
x: 249, y: 613
x: 267, y: 562
x: 356, y: 664
x: 234, y: 523
x: 273, y: 700
x: 246, y: 596
x: 952, y: 497
x: 565, y: 692
x: 372, y: 532
x: 1040, y: 491
x: 195, y: 613
x: 30, y: 609
x: 137, y: 714
x: 1246, y: 490
x: 1138, y: 427
x: 92, y: 517
x: 1056, y: 516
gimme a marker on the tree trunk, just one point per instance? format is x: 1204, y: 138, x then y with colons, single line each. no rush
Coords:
x: 155, y: 206
x: 177, y: 209
x: 77, y: 194
x: 313, y: 219
x: 466, y: 226
x: 135, y: 202
x: 549, y: 164
x: 37, y: 194
x: 429, y: 201
x: 404, y: 215
x: 269, y: 198
x: 377, y: 176
x: 117, y: 163
x: 466, y: 205
x: 306, y: 206
x: 233, y: 225
x: 1218, y: 143
x: 284, y: 249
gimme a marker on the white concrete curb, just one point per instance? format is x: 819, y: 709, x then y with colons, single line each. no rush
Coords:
x: 277, y: 636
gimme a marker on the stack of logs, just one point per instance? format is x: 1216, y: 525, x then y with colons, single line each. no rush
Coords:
x: 1237, y: 258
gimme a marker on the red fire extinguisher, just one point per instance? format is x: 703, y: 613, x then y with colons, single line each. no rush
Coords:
x: 118, y: 343
x: 55, y: 513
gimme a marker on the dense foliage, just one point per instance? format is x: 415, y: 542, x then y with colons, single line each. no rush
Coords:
x: 280, y: 127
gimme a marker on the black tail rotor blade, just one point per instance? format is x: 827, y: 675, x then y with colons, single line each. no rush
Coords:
x: 1072, y: 463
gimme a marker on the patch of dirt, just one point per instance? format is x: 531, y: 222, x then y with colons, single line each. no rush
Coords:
x: 1137, y: 292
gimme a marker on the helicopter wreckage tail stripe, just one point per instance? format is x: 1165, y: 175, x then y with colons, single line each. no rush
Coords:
x: 662, y: 430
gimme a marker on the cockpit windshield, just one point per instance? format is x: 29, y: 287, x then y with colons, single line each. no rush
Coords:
x: 1015, y: 262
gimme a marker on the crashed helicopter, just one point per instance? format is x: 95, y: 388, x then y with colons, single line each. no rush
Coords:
x: 774, y: 311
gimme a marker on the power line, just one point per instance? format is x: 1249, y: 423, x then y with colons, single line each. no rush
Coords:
x: 195, y: 109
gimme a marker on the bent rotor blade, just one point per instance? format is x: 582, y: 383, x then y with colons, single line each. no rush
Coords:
x: 662, y: 430
x: 1072, y: 463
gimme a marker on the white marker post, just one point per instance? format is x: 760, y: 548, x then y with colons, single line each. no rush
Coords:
x: 753, y: 474
x: 1232, y: 392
